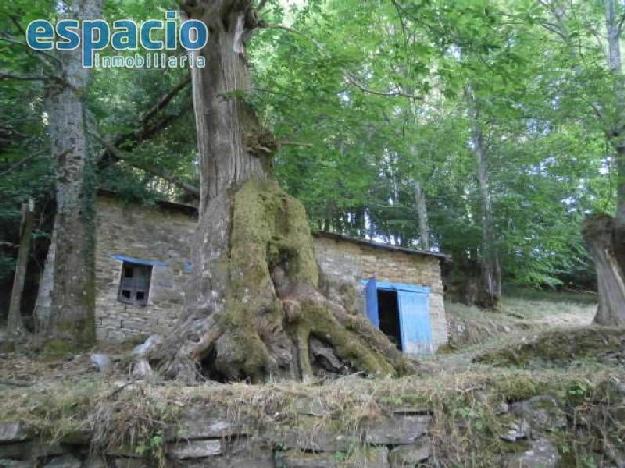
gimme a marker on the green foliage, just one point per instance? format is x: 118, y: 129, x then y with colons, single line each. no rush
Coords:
x: 365, y: 102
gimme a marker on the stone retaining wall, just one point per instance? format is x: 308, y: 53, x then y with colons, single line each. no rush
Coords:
x: 202, y: 440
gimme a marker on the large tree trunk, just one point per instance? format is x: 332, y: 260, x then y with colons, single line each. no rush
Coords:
x: 15, y: 325
x: 598, y: 231
x: 71, y: 323
x: 489, y: 292
x: 604, y: 235
x: 253, y: 309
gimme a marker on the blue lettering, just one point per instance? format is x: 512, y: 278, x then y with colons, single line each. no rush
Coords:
x: 146, y: 40
x: 68, y: 31
x: 127, y: 37
x: 40, y: 35
x: 201, y: 36
x: 92, y: 43
x: 170, y: 31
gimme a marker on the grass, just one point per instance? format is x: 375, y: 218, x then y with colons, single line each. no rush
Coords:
x: 462, y: 396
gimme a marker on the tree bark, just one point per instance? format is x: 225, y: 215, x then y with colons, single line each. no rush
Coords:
x: 253, y: 304
x: 605, y: 235
x: 422, y: 214
x: 44, y: 293
x: 71, y: 323
x: 15, y: 323
x: 598, y: 232
x: 490, y: 291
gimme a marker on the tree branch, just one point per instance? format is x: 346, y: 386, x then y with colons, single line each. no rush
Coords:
x: 165, y: 99
x: 148, y: 128
x: 171, y: 178
x: 17, y: 164
x: 40, y: 54
x: 9, y: 76
x: 364, y: 89
x: 263, y: 25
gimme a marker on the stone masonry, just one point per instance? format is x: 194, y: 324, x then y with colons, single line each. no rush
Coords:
x: 163, y: 232
x: 343, y: 259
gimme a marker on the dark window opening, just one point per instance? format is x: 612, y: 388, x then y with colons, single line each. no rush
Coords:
x: 135, y: 284
x: 388, y: 309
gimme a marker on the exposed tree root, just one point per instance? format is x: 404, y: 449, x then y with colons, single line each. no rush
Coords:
x: 264, y: 307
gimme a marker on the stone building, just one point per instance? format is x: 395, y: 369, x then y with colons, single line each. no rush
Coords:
x: 143, y: 263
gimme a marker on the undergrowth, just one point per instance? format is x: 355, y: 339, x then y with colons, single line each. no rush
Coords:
x: 466, y: 422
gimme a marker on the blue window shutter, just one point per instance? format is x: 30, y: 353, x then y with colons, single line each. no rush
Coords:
x: 371, y: 296
x: 414, y: 317
x: 138, y: 261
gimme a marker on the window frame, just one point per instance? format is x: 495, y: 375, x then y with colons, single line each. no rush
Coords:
x: 133, y: 284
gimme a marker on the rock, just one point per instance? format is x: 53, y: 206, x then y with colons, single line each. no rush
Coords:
x: 310, y: 407
x: 299, y: 459
x: 319, y: 441
x: 542, y: 454
x: 141, y: 368
x: 245, y: 453
x: 195, y: 449
x: 13, y: 432
x: 196, y: 424
x: 398, y: 430
x: 370, y: 457
x: 14, y: 464
x: 518, y: 430
x: 410, y: 455
x: 101, y: 362
x: 412, y: 411
x: 19, y: 450
x: 541, y: 412
x: 64, y: 461
x: 130, y: 463
x: 95, y: 461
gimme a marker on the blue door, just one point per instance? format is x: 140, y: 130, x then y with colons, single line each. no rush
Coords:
x: 371, y: 303
x: 414, y: 319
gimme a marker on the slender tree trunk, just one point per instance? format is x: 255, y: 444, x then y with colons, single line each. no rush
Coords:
x: 44, y: 293
x: 15, y: 322
x: 618, y: 130
x: 604, y: 235
x: 422, y: 213
x: 71, y: 323
x: 253, y: 309
x: 490, y: 290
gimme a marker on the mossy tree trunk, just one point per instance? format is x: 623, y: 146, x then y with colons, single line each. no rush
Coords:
x: 254, y: 310
x: 68, y: 322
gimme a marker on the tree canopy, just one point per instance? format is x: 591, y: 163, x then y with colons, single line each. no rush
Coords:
x: 368, y: 102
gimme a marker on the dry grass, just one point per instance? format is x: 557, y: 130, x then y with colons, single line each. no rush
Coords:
x: 462, y: 396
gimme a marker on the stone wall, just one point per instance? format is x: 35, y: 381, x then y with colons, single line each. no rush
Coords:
x: 203, y: 438
x: 163, y: 232
x: 342, y: 260
x: 160, y: 232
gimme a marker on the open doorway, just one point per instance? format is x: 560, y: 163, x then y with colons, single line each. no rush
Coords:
x: 388, y: 309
